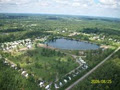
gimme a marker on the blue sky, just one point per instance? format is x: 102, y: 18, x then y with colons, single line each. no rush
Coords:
x: 96, y: 1
x: 107, y: 8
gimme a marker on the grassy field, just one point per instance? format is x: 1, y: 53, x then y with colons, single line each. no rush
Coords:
x: 47, y: 67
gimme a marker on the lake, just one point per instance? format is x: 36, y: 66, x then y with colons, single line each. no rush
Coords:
x: 63, y: 43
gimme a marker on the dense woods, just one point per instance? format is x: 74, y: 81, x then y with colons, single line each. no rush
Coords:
x: 11, y: 30
x: 48, y: 53
x: 108, y: 71
x: 23, y: 35
x: 110, y: 32
x: 11, y: 79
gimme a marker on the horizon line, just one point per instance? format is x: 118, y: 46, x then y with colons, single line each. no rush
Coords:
x: 59, y: 14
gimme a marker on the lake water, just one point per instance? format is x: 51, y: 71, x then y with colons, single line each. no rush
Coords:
x: 72, y: 44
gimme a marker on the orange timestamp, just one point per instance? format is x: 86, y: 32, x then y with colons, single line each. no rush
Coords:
x: 96, y: 81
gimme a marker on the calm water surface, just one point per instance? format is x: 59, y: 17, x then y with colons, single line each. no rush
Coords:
x: 72, y: 44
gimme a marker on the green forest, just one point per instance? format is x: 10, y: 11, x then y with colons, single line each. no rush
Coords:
x: 12, y: 80
x: 24, y: 45
x: 110, y: 70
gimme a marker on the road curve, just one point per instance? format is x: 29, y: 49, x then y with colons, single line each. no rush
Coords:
x: 92, y: 70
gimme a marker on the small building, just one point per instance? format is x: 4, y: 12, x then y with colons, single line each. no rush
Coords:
x: 74, y: 75
x: 63, y: 31
x: 56, y: 86
x: 5, y: 62
x: 69, y: 78
x: 7, y: 48
x: 12, y: 66
x: 85, y: 66
x: 60, y: 83
x: 82, y: 61
x: 65, y: 80
x: 77, y: 73
x: 47, y: 87
x: 29, y: 46
x: 16, y: 68
x: 41, y: 84
x: 25, y: 74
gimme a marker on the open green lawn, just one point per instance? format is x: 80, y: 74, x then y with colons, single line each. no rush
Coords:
x: 46, y: 64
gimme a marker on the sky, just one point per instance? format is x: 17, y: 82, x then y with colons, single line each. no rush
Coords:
x: 106, y: 8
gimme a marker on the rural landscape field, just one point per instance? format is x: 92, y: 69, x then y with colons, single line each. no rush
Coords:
x: 59, y: 51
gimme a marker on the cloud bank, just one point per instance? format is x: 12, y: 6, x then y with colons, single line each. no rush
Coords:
x: 108, y: 8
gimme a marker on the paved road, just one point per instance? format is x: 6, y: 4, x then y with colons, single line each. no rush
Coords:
x: 92, y: 70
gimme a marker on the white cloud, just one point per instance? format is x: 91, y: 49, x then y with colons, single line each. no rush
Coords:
x: 76, y: 4
x: 62, y: 1
x: 17, y: 2
x: 43, y: 3
x: 87, y: 7
x: 4, y: 1
x: 83, y: 3
x: 109, y: 2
